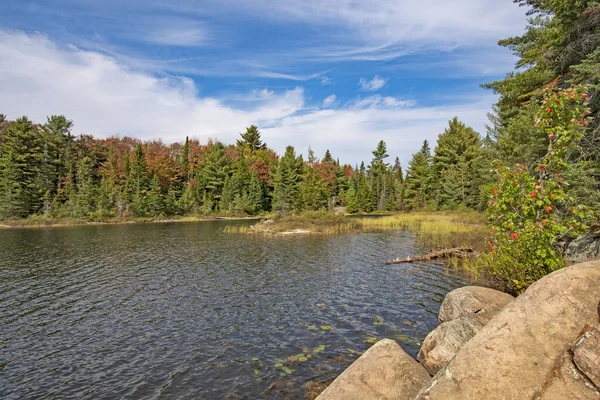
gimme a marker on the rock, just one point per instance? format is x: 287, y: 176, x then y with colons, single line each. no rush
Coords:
x: 473, y: 301
x: 515, y: 356
x: 584, y: 248
x: 442, y: 344
x: 383, y: 372
x: 463, y: 313
x: 569, y: 383
x: 586, y: 355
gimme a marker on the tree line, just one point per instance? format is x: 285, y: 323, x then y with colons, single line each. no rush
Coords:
x: 46, y: 170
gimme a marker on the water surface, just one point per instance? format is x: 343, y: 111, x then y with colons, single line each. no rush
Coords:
x: 183, y: 310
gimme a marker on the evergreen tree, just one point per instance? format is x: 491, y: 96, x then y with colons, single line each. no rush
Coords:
x: 86, y: 192
x: 457, y: 164
x: 138, y: 181
x: 21, y: 183
x: 352, y: 200
x: 185, y: 159
x: 251, y: 139
x: 155, y: 201
x: 213, y: 174
x: 417, y: 190
x: 378, y: 169
x: 287, y: 179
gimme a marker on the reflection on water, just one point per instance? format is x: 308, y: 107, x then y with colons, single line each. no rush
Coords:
x: 183, y: 310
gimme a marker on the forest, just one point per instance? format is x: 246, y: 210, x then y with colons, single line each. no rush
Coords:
x: 48, y: 171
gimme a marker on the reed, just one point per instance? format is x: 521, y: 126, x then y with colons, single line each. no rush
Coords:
x: 437, y: 230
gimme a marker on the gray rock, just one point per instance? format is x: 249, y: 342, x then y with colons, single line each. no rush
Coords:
x: 463, y: 313
x: 442, y: 344
x: 584, y: 248
x: 383, y: 372
x: 586, y: 355
x: 473, y: 302
x: 569, y: 383
x: 515, y: 356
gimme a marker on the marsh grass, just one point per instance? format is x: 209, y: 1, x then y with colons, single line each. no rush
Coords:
x: 39, y: 221
x: 436, y: 230
x: 320, y: 222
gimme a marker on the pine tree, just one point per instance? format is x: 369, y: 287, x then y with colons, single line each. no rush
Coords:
x: 185, y: 160
x: 21, y: 183
x: 417, y: 190
x: 287, y: 179
x: 54, y: 135
x: 378, y: 171
x: 138, y: 181
x: 328, y: 158
x: 352, y: 200
x: 85, y: 200
x: 155, y: 201
x: 213, y: 174
x: 251, y: 139
x: 457, y: 163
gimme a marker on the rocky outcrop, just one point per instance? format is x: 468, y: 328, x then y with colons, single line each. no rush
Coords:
x: 525, y: 351
x: 384, y: 372
x: 462, y: 314
x: 586, y: 355
x: 584, y: 248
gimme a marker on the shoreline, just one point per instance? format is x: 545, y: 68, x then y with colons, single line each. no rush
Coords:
x: 58, y: 223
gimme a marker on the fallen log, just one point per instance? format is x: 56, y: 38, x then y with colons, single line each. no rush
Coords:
x: 461, y: 252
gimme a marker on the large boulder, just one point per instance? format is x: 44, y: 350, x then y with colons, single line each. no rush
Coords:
x: 473, y: 302
x: 442, y: 344
x: 519, y: 354
x: 584, y: 248
x: 384, y: 372
x: 462, y: 314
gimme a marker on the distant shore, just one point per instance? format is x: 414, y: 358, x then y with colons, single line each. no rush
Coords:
x: 44, y: 222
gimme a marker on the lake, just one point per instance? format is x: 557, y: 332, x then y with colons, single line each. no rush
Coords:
x: 183, y: 310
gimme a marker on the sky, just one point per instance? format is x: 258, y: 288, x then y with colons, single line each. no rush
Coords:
x: 332, y: 74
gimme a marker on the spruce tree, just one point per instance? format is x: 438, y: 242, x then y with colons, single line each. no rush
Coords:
x: 287, y: 179
x: 251, y: 139
x: 155, y: 201
x: 21, y: 183
x: 457, y: 164
x: 417, y: 190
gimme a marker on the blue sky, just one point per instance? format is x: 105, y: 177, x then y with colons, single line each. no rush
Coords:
x: 337, y: 74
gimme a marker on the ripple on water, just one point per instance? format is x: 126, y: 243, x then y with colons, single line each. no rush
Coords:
x: 186, y: 311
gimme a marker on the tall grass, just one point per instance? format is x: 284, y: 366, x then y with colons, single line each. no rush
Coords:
x: 320, y: 222
x: 437, y: 230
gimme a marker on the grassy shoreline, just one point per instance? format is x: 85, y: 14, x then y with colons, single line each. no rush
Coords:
x: 47, y: 222
x: 435, y: 229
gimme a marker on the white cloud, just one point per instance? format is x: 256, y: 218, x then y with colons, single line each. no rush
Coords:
x: 103, y: 97
x: 372, y: 85
x: 328, y: 100
x: 178, y: 36
x: 378, y: 101
x: 325, y: 80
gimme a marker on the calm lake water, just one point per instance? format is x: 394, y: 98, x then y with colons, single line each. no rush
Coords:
x: 183, y: 310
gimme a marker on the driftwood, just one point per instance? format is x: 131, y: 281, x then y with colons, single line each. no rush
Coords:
x: 460, y: 252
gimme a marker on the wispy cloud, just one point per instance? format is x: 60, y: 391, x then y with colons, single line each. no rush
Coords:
x: 325, y: 80
x: 329, y: 100
x: 372, y: 85
x: 105, y: 97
